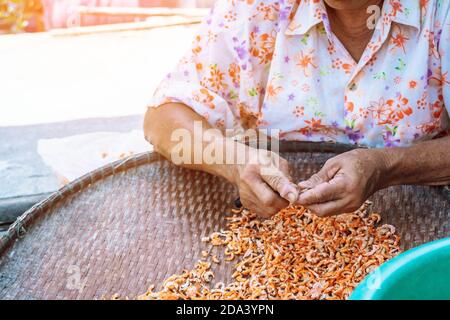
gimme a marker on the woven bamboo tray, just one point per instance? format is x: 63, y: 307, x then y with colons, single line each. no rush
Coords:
x: 135, y: 222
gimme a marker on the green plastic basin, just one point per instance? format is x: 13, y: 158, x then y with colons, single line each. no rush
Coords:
x: 416, y: 274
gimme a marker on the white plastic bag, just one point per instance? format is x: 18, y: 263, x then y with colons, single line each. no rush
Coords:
x: 75, y: 156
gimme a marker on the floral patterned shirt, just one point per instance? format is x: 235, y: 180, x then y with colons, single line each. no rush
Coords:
x: 277, y: 65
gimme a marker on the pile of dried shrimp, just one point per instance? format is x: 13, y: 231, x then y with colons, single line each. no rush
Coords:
x: 294, y: 255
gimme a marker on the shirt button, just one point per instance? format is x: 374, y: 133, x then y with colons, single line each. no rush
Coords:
x: 353, y: 87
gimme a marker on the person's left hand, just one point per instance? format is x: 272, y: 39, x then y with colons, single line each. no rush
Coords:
x: 344, y: 183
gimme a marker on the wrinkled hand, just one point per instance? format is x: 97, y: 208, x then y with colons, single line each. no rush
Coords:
x: 264, y: 183
x: 344, y: 183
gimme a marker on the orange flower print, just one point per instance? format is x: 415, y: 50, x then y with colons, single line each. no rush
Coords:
x: 349, y: 106
x: 347, y: 68
x: 399, y: 40
x: 339, y: 64
x: 336, y: 63
x: 396, y: 7
x: 267, y: 46
x: 216, y: 78
x: 385, y: 20
x: 197, y: 48
x: 204, y: 97
x: 434, y: 127
x: 422, y: 103
x: 437, y: 107
x: 231, y: 16
x: 315, y: 125
x: 262, y: 47
x: 305, y: 61
x: 234, y: 71
x: 412, y: 84
x: 380, y: 111
x: 440, y: 79
x: 331, y: 49
x: 269, y: 11
x: 273, y: 90
x: 318, y: 13
x: 400, y: 109
x: 364, y: 113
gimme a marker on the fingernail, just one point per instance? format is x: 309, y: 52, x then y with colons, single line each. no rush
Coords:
x: 292, y: 197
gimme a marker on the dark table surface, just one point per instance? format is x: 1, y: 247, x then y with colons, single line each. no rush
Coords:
x: 24, y: 178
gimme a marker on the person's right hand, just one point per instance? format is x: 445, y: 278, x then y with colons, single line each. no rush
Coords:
x: 265, y: 186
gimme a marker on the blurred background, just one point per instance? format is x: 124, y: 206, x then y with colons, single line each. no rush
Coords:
x: 76, y: 76
x: 40, y: 15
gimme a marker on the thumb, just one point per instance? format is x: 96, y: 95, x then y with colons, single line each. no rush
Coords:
x: 281, y: 183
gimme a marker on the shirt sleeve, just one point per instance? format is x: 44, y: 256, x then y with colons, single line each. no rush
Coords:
x: 444, y: 52
x: 207, y: 78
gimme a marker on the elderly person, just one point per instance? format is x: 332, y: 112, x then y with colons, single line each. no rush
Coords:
x: 368, y: 72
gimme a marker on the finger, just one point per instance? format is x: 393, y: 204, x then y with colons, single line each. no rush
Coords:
x: 259, y: 196
x: 279, y: 182
x: 324, y: 192
x: 252, y: 203
x: 284, y: 167
x: 248, y: 199
x: 268, y: 197
x: 314, y: 180
x: 328, y: 208
x: 325, y: 174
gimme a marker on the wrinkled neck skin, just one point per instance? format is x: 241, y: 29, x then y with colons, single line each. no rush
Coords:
x: 348, y: 20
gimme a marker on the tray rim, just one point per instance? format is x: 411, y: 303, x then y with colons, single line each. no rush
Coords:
x: 18, y: 229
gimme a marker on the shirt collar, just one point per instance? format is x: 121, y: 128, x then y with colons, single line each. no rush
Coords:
x: 309, y: 13
x: 406, y: 12
x: 312, y: 12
